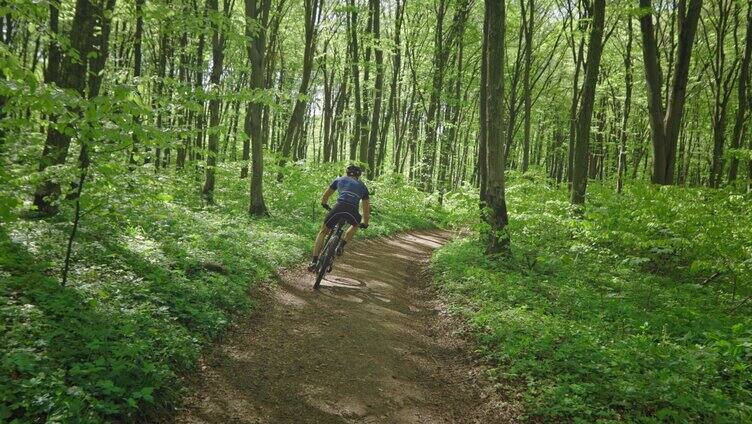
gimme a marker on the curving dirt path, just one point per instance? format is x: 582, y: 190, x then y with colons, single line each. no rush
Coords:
x: 371, y: 346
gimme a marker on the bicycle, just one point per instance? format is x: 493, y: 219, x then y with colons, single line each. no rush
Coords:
x: 326, y: 257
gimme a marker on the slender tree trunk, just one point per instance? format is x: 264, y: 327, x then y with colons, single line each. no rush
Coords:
x: 724, y: 74
x: 218, y: 57
x: 526, y: 86
x: 164, y: 46
x: 399, y: 14
x: 199, y: 87
x: 741, y: 121
x: 587, y: 99
x: 378, y: 87
x: 626, y: 107
x: 359, y: 120
x: 439, y: 61
x: 482, y: 161
x: 294, y: 127
x: 257, y: 15
x: 137, y: 65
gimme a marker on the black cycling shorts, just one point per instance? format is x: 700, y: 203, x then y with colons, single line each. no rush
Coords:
x: 345, y: 211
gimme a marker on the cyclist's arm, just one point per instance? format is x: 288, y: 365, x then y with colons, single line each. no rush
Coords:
x: 366, y: 211
x: 327, y: 194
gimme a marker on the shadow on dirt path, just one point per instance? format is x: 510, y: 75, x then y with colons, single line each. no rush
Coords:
x: 369, y: 347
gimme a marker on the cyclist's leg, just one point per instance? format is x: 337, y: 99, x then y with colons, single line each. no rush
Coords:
x: 351, y: 233
x: 319, y: 244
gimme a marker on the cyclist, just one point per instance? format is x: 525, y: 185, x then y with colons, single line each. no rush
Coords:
x: 351, y: 191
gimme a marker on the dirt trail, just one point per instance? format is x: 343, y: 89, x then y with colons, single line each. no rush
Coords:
x: 369, y: 347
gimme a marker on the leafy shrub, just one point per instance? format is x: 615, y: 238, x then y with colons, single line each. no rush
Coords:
x: 610, y: 317
x: 156, y: 276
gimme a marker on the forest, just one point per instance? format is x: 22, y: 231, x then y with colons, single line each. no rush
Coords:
x: 161, y: 160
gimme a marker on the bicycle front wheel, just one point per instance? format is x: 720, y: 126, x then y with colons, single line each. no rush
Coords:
x: 325, y: 260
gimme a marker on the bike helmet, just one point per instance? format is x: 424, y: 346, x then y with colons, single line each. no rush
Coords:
x: 354, y: 171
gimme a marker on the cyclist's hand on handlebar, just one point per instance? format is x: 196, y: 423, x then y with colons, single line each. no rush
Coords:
x: 326, y: 206
x: 363, y: 226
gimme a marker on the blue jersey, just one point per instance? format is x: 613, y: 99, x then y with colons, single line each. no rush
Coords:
x: 351, y: 191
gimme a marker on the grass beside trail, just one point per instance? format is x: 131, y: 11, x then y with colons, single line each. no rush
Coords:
x: 156, y: 276
x: 639, y: 311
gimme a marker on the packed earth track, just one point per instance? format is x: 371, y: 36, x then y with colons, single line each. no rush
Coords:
x: 373, y: 345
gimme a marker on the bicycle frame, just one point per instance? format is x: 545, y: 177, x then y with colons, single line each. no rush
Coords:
x: 326, y: 259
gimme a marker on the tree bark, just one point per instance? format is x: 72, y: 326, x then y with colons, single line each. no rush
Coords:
x: 665, y: 125
x: 358, y: 136
x: 439, y: 60
x: 529, y: 23
x: 394, y: 96
x: 740, y: 121
x: 587, y: 99
x: 70, y: 75
x: 626, y: 107
x: 497, y: 218
x: 483, y: 116
x: 257, y: 17
x: 294, y: 127
x: 378, y: 87
x: 215, y: 79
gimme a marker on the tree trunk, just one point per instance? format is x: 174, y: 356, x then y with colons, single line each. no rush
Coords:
x: 394, y: 96
x: 587, y: 99
x: 526, y: 88
x: 483, y: 116
x: 257, y: 17
x: 740, y: 122
x: 164, y: 46
x: 137, y: 65
x: 665, y: 126
x: 626, y: 107
x: 294, y: 127
x: 71, y: 75
x: 218, y: 57
x: 378, y: 87
x: 498, y: 239
x: 199, y: 87
x: 359, y: 120
x: 439, y: 60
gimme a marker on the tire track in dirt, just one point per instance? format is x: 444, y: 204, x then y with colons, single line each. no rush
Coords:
x: 371, y: 346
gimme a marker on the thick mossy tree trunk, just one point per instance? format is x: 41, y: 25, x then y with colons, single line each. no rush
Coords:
x: 257, y: 17
x: 587, y: 100
x: 497, y: 218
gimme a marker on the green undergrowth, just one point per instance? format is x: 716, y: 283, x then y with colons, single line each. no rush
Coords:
x: 156, y: 276
x: 638, y: 310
